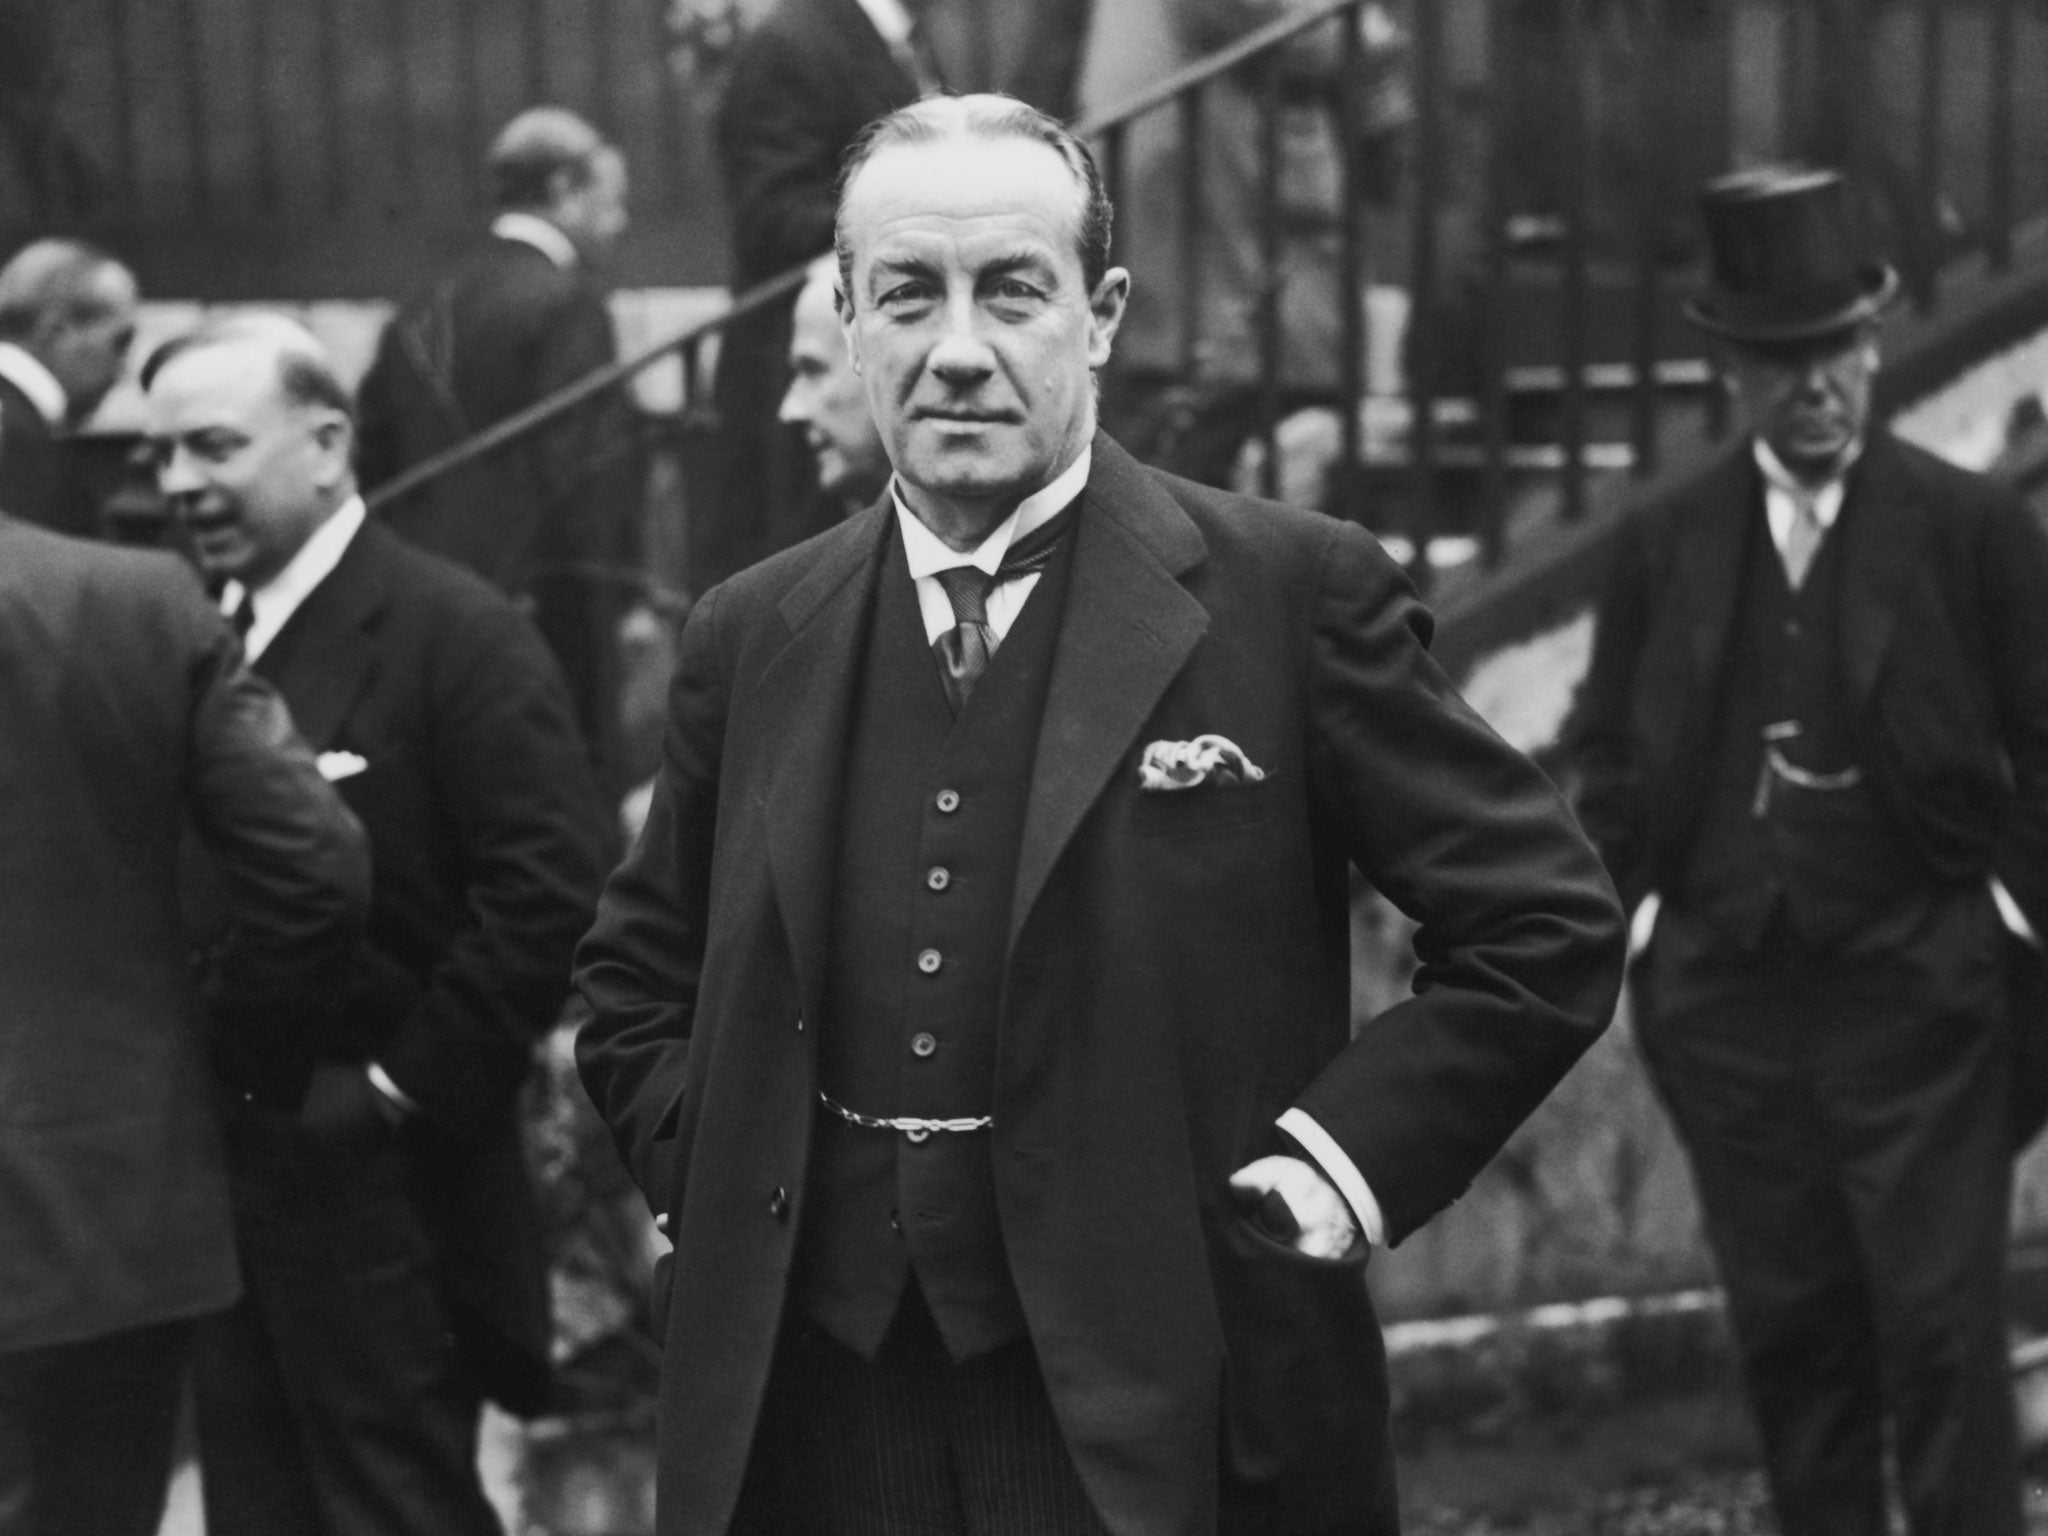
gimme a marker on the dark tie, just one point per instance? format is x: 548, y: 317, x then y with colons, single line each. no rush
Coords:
x: 964, y: 650
x: 242, y: 615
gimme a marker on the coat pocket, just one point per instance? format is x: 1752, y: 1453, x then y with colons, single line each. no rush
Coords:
x: 1305, y: 1388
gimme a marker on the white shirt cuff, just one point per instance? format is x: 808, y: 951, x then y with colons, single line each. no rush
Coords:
x: 1339, y: 1170
x: 381, y: 1081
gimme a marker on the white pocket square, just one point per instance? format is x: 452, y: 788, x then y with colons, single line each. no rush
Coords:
x: 340, y: 765
x: 1169, y: 765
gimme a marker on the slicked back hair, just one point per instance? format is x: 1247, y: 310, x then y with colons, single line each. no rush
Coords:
x: 50, y: 277
x: 536, y: 148
x: 987, y: 118
x: 305, y: 373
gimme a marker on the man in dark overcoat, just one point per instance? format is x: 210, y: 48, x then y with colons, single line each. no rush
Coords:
x: 974, y: 1008
x: 803, y: 83
x: 1816, y: 724
x: 129, y: 718
x: 553, y: 520
x: 390, y: 1241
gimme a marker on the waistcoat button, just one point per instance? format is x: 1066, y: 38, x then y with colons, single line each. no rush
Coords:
x: 923, y: 1044
x: 928, y: 961
x: 948, y: 801
x: 938, y: 878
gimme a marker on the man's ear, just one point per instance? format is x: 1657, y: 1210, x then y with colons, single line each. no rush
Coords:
x: 1106, y: 308
x: 335, y: 436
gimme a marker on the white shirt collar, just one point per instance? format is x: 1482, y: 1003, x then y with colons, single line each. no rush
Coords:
x: 279, y: 598
x: 531, y: 229
x: 25, y: 371
x: 1783, y: 490
x: 890, y: 19
x: 928, y: 554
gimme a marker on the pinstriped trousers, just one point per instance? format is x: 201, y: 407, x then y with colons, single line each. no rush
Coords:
x: 909, y: 1443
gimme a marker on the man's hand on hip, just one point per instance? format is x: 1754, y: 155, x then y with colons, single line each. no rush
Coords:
x: 1277, y: 1187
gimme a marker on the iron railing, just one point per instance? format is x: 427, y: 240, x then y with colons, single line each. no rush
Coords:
x: 1571, y: 364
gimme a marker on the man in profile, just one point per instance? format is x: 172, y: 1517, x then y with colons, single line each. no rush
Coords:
x: 129, y: 718
x: 975, y: 1004
x: 555, y: 519
x: 825, y: 399
x: 67, y: 319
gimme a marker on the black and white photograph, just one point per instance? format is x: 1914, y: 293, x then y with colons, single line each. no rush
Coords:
x: 1480, y: 967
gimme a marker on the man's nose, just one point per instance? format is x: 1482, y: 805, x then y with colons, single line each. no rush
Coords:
x: 792, y: 409
x: 961, y: 356
x: 175, y: 475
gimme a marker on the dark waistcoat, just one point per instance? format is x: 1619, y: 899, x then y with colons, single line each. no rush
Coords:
x: 1828, y: 859
x: 931, y: 820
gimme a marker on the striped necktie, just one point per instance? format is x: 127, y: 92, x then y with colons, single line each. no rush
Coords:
x: 963, y: 651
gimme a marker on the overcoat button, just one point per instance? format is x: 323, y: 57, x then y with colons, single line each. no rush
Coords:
x: 778, y: 1203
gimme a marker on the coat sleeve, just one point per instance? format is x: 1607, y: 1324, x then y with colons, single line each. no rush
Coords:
x: 290, y: 859
x: 528, y: 832
x: 639, y: 967
x: 1521, y: 939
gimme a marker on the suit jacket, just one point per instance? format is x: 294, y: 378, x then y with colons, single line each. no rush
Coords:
x: 804, y: 82
x: 503, y: 329
x: 1178, y: 975
x: 37, y: 482
x: 484, y: 826
x: 129, y: 715
x: 1943, y: 646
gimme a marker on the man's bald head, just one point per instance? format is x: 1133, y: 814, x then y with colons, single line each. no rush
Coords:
x: 71, y: 306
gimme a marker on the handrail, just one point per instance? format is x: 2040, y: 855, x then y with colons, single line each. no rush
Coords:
x: 565, y: 399
x: 560, y: 402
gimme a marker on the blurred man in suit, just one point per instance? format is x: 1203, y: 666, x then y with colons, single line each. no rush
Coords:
x: 130, y: 717
x: 67, y: 319
x: 980, y: 982
x: 1816, y: 723
x: 554, y: 520
x: 826, y: 400
x: 804, y: 82
x: 389, y: 1239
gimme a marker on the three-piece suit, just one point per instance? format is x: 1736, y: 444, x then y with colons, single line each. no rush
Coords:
x: 129, y: 719
x: 1133, y: 983
x: 1821, y: 781
x: 394, y: 1280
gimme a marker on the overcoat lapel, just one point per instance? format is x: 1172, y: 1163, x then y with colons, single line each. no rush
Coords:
x: 807, y: 693
x: 1884, y: 530
x: 1129, y: 628
x: 323, y: 657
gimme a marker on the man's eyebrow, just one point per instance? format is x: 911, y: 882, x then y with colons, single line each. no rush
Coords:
x: 900, y: 266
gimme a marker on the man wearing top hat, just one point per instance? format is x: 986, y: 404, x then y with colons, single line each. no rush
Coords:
x: 1816, y: 725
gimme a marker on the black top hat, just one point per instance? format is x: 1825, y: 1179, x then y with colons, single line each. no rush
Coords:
x: 1786, y: 267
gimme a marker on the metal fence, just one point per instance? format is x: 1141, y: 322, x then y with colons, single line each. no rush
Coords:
x: 1500, y: 210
